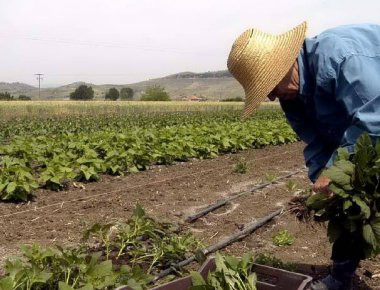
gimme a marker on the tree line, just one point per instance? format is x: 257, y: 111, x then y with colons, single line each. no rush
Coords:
x: 8, y: 97
x: 152, y: 93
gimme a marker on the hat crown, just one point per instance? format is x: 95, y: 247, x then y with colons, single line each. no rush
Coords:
x: 238, y: 47
x: 259, y: 61
x: 252, y: 44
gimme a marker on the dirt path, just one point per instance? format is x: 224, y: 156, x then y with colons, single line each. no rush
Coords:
x: 170, y: 193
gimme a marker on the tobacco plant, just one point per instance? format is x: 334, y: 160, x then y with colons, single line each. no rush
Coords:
x: 110, y: 255
x: 354, y: 208
x: 51, y: 153
x: 231, y: 273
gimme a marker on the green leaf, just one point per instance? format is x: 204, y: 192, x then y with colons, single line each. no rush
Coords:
x: 342, y: 154
x: 346, y: 166
x: 86, y: 287
x: 339, y: 191
x: 64, y: 286
x: 197, y: 278
x: 365, y: 210
x: 375, y: 224
x: 2, y: 186
x: 11, y: 187
x: 102, y: 269
x: 337, y: 175
x: 369, y: 235
x: 138, y: 211
x: 347, y: 204
x: 334, y: 231
x: 6, y: 283
x: 317, y: 201
x: 135, y: 285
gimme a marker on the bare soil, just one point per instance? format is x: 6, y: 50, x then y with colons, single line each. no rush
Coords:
x: 170, y: 193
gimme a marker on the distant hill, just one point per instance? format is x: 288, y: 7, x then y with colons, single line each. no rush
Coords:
x: 212, y: 85
x: 17, y: 88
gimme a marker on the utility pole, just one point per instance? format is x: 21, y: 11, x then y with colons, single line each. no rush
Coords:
x: 39, y: 78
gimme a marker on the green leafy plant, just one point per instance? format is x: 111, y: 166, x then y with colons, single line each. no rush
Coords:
x: 272, y: 261
x: 291, y: 185
x: 354, y: 208
x: 269, y: 177
x: 230, y: 273
x: 52, y: 152
x: 241, y: 167
x: 283, y: 238
x: 110, y: 255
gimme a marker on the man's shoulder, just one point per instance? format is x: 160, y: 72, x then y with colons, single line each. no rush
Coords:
x: 348, y: 39
x: 350, y: 29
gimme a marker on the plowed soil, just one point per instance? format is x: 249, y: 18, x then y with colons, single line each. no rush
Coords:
x: 170, y: 193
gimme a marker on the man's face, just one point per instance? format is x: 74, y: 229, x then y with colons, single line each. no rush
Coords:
x: 288, y: 88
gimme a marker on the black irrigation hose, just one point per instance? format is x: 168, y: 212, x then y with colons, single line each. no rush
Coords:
x: 248, y: 229
x: 220, y: 203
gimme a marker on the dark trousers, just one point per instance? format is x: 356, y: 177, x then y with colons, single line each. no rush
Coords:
x: 348, y: 247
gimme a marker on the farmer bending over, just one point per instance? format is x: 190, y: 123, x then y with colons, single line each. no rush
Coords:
x: 329, y: 89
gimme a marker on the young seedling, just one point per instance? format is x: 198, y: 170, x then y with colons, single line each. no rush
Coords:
x: 291, y: 185
x: 241, y: 167
x: 269, y: 177
x: 283, y: 238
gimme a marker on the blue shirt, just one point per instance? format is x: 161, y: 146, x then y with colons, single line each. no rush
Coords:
x: 339, y: 95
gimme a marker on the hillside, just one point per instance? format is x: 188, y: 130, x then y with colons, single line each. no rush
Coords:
x: 17, y: 88
x: 212, y: 85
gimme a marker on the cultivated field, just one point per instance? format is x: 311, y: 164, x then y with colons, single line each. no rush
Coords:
x: 41, y: 109
x: 77, y: 164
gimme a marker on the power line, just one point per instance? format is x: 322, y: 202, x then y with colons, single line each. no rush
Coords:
x: 39, y: 78
x: 102, y: 44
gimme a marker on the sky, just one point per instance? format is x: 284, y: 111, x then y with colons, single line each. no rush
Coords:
x: 126, y: 41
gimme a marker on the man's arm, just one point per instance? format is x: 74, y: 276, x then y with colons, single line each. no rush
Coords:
x: 316, y: 152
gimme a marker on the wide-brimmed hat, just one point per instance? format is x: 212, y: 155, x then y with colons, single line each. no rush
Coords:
x: 259, y: 61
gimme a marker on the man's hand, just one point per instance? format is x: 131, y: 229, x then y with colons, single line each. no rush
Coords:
x: 322, y: 185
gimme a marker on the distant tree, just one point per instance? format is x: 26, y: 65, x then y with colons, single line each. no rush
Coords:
x: 126, y: 94
x: 155, y: 93
x: 112, y: 94
x: 82, y: 92
x: 24, y: 98
x: 236, y: 99
x: 6, y: 97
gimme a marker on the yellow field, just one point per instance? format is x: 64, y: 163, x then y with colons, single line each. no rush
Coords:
x: 14, y: 109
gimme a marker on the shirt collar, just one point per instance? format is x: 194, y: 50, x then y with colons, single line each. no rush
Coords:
x: 304, y: 76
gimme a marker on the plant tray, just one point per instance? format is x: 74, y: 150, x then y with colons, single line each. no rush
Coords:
x: 269, y: 278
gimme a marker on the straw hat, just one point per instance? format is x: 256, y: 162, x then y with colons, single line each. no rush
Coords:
x: 259, y: 61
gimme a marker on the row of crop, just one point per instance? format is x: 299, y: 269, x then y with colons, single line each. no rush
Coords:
x: 56, y: 125
x: 126, y: 252
x: 30, y: 162
x: 134, y: 253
